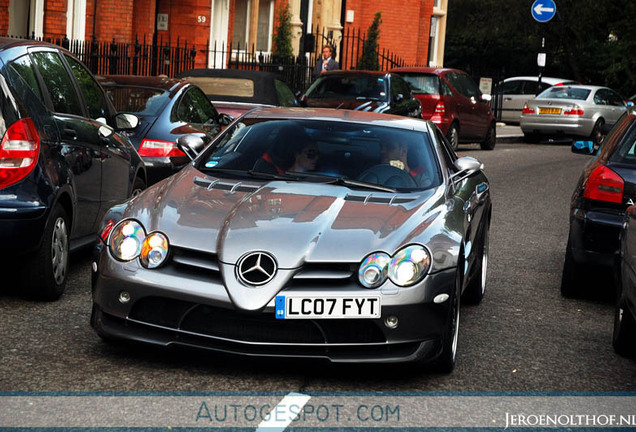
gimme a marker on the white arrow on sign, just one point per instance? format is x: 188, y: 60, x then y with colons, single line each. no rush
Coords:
x: 539, y: 9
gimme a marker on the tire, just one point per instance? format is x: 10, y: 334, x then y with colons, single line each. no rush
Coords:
x: 531, y: 138
x: 445, y: 363
x: 491, y: 138
x: 46, y: 271
x: 138, y: 186
x: 453, y: 136
x: 624, y: 337
x: 571, y: 278
x: 474, y: 292
x: 597, y: 135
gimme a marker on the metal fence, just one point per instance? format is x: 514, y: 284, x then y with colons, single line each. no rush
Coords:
x: 145, y: 57
x: 156, y: 56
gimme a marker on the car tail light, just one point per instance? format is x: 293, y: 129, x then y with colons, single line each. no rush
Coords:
x: 527, y: 110
x: 154, y: 148
x: 19, y: 152
x: 604, y: 185
x: 576, y: 110
x: 440, y: 108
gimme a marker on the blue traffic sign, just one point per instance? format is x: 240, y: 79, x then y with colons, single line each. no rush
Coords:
x: 543, y: 10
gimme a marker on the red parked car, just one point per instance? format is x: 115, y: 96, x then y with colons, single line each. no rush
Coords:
x: 451, y: 99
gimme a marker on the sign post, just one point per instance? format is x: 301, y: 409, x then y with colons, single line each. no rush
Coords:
x: 542, y: 11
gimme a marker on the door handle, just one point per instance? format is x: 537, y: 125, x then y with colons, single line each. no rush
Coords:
x: 70, y: 133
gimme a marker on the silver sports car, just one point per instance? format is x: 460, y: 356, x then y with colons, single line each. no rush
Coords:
x: 572, y: 111
x: 331, y: 234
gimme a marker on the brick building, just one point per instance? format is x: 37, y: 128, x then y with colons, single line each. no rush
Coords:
x: 412, y: 29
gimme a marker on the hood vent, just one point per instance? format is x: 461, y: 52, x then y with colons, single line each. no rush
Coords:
x: 371, y: 199
x: 226, y: 186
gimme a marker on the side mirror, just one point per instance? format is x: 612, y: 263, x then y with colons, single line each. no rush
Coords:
x: 126, y: 121
x: 466, y: 166
x: 630, y: 104
x: 225, y: 119
x: 191, y: 145
x: 583, y: 147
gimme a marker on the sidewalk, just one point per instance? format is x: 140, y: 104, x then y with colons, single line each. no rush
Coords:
x: 508, y: 133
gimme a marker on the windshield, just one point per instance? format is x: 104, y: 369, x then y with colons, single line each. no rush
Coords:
x: 353, y: 154
x: 138, y: 100
x: 560, y: 92
x: 422, y: 83
x: 349, y: 87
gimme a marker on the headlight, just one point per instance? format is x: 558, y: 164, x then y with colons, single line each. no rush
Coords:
x: 126, y: 240
x: 154, y: 250
x: 373, y: 270
x: 409, y: 265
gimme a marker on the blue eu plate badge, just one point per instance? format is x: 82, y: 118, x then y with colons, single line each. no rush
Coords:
x: 280, y: 307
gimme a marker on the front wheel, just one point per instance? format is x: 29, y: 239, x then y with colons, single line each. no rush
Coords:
x: 624, y: 336
x: 445, y: 363
x: 45, y: 272
x: 138, y: 186
x: 491, y: 138
x: 474, y: 292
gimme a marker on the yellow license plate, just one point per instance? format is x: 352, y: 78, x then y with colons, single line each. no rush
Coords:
x: 549, y: 110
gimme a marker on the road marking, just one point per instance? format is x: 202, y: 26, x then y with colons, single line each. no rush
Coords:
x: 281, y: 416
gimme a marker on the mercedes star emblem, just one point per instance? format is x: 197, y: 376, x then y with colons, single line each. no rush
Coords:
x: 256, y: 268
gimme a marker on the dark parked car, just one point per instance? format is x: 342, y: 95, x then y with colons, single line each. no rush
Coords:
x: 235, y: 92
x: 369, y: 91
x: 167, y: 108
x: 330, y: 234
x: 451, y: 99
x: 62, y: 163
x: 624, y: 337
x: 605, y: 189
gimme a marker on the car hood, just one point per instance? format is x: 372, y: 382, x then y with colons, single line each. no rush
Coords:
x: 351, y: 104
x: 295, y: 222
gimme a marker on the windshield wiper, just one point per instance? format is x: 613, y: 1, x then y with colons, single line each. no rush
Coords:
x: 342, y: 181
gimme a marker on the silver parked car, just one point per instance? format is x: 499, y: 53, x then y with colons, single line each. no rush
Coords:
x: 517, y: 90
x: 317, y: 233
x: 572, y: 111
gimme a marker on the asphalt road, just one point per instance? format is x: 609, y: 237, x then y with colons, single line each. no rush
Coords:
x: 524, y: 337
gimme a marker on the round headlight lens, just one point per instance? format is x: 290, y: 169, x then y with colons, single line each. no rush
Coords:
x: 126, y: 240
x: 409, y: 265
x: 373, y: 270
x: 154, y: 250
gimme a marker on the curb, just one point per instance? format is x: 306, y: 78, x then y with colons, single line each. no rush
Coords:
x: 510, y: 139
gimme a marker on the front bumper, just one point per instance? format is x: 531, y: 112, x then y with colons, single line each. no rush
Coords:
x: 594, y: 236
x: 175, y: 306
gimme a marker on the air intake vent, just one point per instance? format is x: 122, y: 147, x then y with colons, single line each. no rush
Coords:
x: 226, y: 186
x: 384, y: 199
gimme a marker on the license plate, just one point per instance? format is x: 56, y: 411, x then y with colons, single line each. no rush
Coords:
x: 327, y: 307
x: 549, y: 110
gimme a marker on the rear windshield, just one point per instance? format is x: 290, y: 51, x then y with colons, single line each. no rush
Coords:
x: 215, y: 86
x: 561, y: 92
x: 349, y: 87
x: 422, y: 83
x: 138, y: 100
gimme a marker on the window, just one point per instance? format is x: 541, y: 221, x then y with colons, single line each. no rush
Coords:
x: 285, y: 95
x: 512, y: 87
x: 400, y: 87
x: 24, y: 67
x: 423, y: 83
x: 246, y: 13
x: 463, y: 84
x: 58, y: 82
x: 194, y: 107
x: 93, y: 95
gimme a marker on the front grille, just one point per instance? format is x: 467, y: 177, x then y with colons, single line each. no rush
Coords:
x: 258, y: 327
